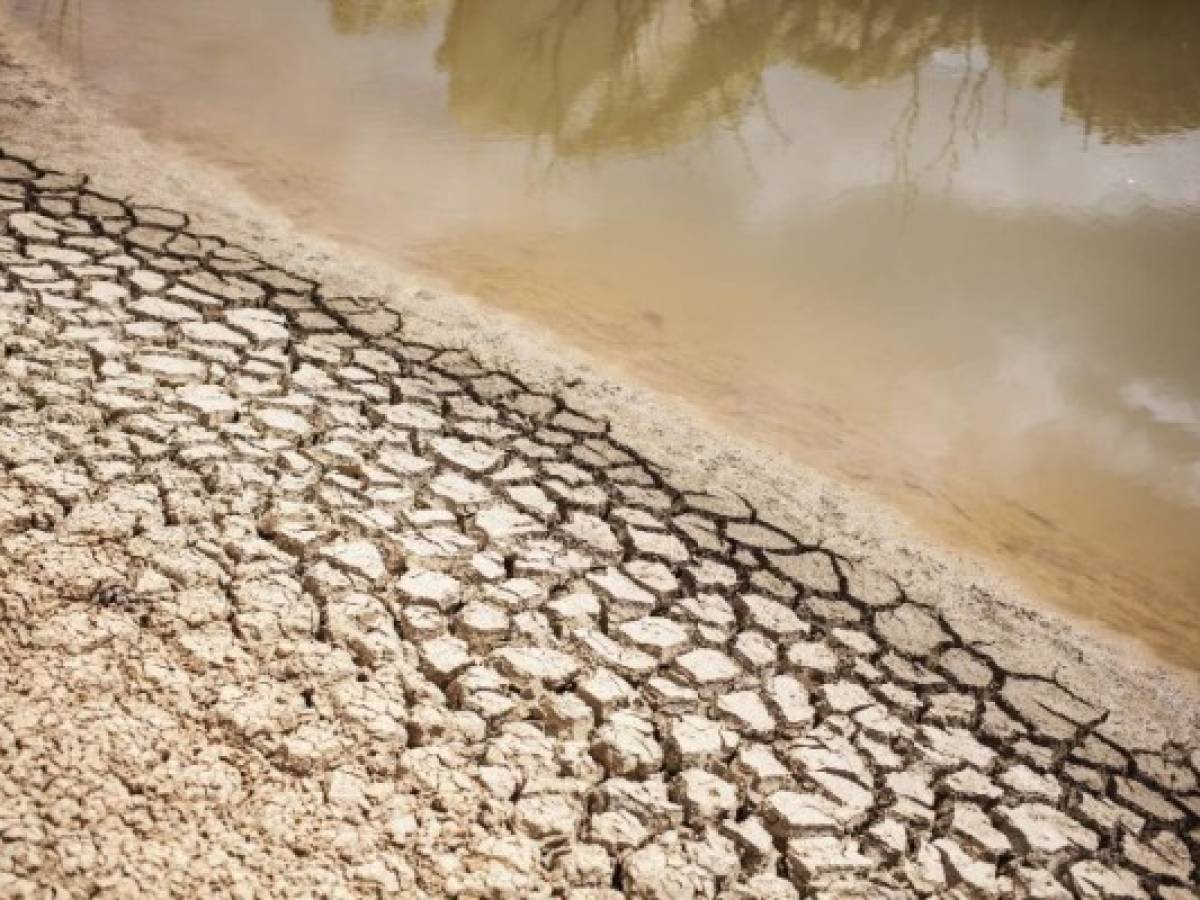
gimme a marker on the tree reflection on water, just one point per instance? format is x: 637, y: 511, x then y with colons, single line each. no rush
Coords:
x: 361, y: 16
x: 601, y: 77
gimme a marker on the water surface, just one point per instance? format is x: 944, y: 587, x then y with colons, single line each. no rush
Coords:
x: 946, y: 250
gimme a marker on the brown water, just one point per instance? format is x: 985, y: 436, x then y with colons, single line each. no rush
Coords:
x: 947, y: 250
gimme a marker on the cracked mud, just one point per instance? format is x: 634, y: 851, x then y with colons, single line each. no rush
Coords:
x: 292, y: 605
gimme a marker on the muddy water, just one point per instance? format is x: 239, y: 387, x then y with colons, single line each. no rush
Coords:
x: 947, y: 250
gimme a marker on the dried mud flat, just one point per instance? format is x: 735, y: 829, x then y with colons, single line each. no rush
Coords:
x: 291, y: 604
x: 297, y: 601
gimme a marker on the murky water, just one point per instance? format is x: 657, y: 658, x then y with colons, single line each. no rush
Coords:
x: 947, y: 250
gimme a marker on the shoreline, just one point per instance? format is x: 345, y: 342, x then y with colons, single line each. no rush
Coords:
x: 79, y: 132
x: 1077, y: 697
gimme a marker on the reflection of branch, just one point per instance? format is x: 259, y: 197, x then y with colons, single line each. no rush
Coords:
x: 901, y: 141
x: 740, y: 140
x: 971, y: 88
x: 975, y: 110
x: 762, y: 101
x: 949, y: 146
x: 968, y: 110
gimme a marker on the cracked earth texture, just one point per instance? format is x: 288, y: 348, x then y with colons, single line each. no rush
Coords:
x: 290, y: 605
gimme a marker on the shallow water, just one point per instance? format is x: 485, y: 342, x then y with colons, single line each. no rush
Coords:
x: 948, y: 251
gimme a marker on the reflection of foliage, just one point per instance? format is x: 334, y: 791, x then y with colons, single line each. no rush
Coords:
x: 359, y: 16
x: 1128, y: 69
x: 600, y: 76
x: 858, y: 42
x: 1135, y: 70
x: 603, y: 75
